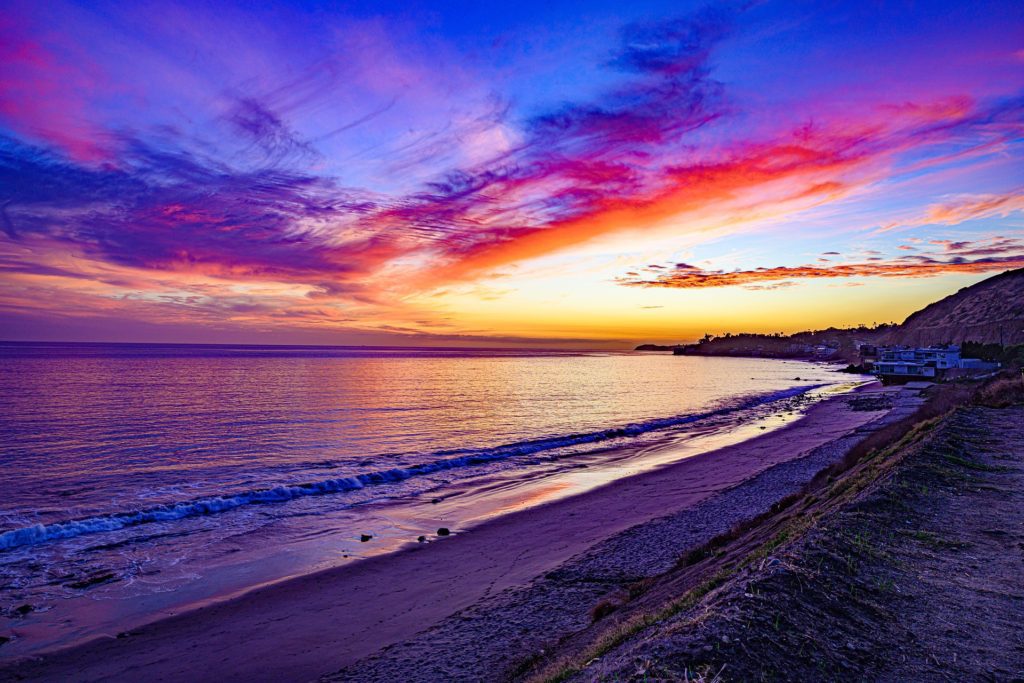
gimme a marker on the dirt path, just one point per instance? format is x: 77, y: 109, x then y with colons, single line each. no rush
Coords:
x: 962, y: 592
x: 920, y: 578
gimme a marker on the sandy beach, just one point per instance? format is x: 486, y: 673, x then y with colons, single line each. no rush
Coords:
x: 405, y: 342
x: 311, y: 626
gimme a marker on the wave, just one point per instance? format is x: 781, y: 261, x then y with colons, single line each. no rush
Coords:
x: 449, y: 460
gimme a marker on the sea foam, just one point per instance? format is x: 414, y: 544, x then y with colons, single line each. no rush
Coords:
x: 448, y: 460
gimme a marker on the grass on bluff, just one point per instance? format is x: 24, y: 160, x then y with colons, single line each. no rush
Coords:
x: 721, y: 558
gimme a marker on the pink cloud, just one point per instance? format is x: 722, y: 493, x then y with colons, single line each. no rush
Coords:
x: 965, y: 208
x: 43, y: 97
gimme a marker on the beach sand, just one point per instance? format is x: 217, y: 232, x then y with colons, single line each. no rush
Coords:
x: 310, y: 626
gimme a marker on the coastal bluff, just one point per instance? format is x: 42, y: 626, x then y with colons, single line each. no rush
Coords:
x: 989, y: 312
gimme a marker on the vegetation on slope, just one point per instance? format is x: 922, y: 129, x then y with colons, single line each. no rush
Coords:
x: 826, y: 585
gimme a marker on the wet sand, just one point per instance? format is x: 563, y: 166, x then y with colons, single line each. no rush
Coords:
x: 313, y: 625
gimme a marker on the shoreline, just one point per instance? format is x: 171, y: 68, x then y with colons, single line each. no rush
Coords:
x: 392, y: 524
x: 321, y: 622
x: 900, y: 565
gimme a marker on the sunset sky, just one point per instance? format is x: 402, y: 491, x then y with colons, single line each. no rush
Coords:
x: 451, y: 173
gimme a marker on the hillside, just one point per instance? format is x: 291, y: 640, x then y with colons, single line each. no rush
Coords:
x: 990, y: 312
x: 831, y: 344
x: 902, y: 567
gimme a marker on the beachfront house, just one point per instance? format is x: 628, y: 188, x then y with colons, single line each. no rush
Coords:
x: 898, y: 364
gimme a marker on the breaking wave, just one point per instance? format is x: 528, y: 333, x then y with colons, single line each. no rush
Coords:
x: 448, y: 460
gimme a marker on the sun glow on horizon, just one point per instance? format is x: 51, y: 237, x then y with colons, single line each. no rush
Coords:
x: 513, y: 176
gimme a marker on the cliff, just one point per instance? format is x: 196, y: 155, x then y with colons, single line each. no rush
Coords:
x: 990, y: 312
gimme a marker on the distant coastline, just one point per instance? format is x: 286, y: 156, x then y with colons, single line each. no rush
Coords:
x: 833, y: 344
x: 987, y: 314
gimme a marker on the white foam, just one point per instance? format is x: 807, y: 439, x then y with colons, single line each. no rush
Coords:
x: 40, y: 533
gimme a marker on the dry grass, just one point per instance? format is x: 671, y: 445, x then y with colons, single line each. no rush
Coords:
x: 1002, y: 391
x: 703, y: 675
x: 606, y: 607
x: 942, y: 400
x: 789, y: 519
x: 713, y: 546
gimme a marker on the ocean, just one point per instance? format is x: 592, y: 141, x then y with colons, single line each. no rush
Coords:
x: 138, y: 479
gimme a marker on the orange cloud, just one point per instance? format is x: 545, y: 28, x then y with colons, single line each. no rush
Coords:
x: 690, y: 277
x: 820, y: 164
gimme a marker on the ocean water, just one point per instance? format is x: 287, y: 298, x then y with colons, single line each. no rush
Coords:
x: 137, y: 477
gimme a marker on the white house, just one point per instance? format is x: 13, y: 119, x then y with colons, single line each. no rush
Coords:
x: 898, y: 364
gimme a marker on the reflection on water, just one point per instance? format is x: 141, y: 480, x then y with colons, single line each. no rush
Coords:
x: 98, y: 438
